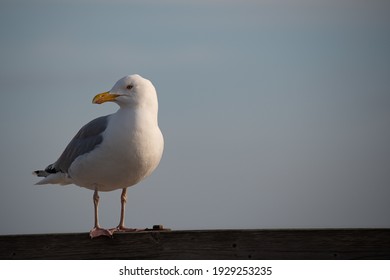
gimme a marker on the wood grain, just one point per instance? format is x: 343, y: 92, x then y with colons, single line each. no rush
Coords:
x: 204, y: 244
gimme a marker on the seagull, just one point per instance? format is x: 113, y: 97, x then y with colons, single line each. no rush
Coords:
x: 114, y: 151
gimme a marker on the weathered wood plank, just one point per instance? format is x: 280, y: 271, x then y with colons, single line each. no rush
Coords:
x: 204, y: 244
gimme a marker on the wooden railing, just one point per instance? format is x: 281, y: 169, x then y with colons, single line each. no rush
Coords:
x: 204, y: 244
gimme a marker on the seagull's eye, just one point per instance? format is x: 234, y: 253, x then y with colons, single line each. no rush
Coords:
x: 129, y: 87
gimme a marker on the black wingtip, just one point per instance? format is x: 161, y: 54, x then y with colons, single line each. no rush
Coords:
x: 51, y: 169
x: 40, y: 173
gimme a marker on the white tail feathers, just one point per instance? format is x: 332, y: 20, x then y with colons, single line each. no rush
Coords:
x: 53, y: 178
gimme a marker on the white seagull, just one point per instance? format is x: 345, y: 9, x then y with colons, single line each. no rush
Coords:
x: 115, y: 151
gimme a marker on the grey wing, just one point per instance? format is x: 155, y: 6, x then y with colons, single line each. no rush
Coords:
x: 88, y: 137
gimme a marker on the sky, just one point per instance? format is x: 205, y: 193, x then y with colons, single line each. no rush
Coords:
x: 275, y: 114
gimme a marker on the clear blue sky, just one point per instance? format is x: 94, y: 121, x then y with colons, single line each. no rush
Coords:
x: 276, y: 114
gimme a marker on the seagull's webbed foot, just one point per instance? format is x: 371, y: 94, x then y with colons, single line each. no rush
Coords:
x: 98, y: 231
x: 125, y: 229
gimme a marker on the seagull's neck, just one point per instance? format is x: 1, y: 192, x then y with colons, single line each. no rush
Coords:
x: 139, y: 115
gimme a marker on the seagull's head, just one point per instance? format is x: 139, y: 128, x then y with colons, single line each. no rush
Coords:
x: 131, y: 91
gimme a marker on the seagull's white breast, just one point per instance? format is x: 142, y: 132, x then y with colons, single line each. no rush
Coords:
x: 131, y: 149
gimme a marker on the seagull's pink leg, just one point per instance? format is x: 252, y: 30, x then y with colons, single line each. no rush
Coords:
x: 121, y: 227
x: 97, y: 230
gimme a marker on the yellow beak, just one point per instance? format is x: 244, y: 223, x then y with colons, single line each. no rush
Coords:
x: 104, y: 97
